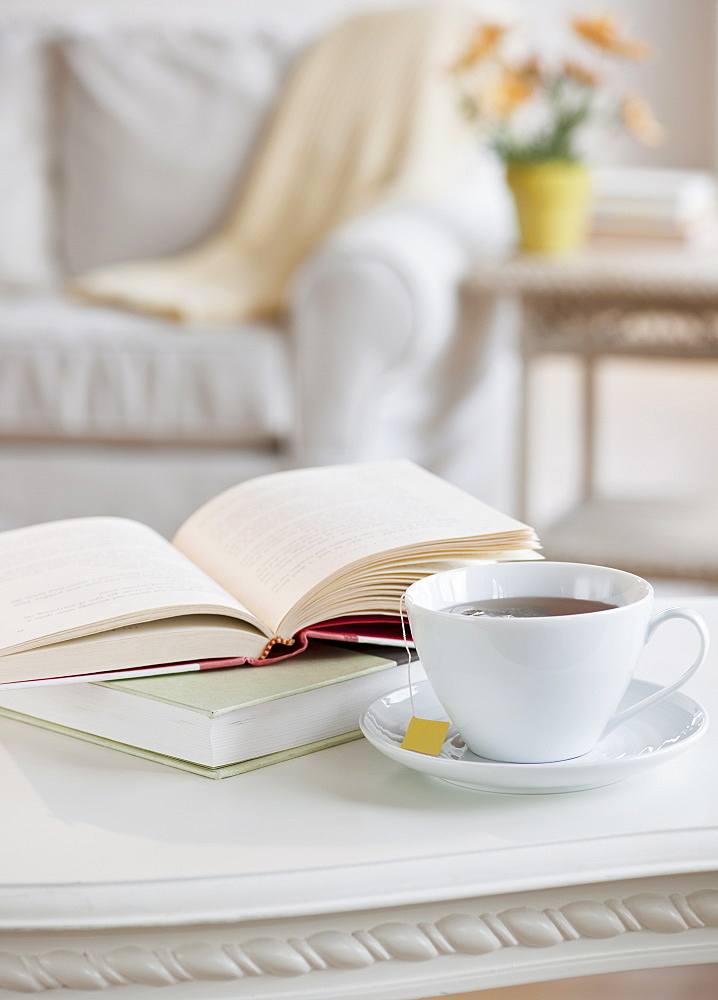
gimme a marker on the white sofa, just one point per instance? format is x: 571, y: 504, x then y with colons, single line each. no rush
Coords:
x: 118, y: 142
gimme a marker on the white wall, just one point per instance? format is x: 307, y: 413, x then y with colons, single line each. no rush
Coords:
x: 679, y: 81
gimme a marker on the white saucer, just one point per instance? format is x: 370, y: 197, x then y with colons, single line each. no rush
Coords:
x: 653, y: 736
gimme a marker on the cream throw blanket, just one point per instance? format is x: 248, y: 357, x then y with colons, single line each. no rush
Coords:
x: 369, y: 115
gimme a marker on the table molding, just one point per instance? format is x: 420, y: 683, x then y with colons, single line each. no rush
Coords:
x: 263, y: 896
x: 473, y: 943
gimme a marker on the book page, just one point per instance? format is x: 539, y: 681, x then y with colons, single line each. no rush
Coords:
x: 70, y: 577
x: 269, y: 541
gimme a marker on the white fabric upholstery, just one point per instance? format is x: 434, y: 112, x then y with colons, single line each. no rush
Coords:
x: 26, y: 259
x: 384, y: 327
x: 384, y: 353
x: 157, y: 485
x: 73, y: 372
x: 156, y: 129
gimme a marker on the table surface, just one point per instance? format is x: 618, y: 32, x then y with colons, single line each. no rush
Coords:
x: 88, y: 816
x: 685, y: 272
x: 94, y: 839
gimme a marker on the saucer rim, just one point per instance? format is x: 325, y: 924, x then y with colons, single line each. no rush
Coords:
x: 561, y: 768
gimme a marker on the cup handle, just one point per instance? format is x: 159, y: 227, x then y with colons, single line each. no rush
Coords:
x: 659, y: 619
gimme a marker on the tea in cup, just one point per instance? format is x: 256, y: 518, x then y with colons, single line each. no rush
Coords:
x: 531, y: 659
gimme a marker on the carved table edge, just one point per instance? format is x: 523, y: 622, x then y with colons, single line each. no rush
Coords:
x: 454, y: 933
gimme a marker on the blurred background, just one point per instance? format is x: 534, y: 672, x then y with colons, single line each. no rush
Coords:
x: 136, y: 131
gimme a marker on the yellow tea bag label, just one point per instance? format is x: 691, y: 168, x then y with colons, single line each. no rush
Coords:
x: 425, y: 736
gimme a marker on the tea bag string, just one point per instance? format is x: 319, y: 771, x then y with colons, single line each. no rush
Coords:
x: 422, y: 735
x: 403, y: 614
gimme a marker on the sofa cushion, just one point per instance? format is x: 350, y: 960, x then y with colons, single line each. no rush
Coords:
x: 156, y: 129
x: 25, y: 218
x: 77, y: 372
x: 41, y: 481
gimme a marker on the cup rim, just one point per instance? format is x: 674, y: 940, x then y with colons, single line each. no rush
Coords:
x: 647, y: 596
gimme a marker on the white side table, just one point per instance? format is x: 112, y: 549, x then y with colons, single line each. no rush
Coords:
x: 344, y: 875
x: 622, y: 304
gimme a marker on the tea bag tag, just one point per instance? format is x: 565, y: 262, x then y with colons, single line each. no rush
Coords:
x: 425, y: 736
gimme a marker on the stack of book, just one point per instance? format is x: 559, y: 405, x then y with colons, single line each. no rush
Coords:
x: 189, y: 650
x: 228, y: 721
x: 654, y: 205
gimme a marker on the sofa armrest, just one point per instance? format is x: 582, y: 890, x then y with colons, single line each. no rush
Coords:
x: 384, y: 353
x: 368, y: 309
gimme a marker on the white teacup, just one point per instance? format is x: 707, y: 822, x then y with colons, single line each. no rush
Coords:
x: 537, y: 689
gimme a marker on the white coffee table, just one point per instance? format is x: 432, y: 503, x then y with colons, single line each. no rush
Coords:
x: 343, y: 874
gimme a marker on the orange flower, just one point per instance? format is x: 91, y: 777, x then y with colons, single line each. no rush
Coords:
x: 602, y: 31
x: 531, y: 70
x: 483, y: 42
x: 581, y: 74
x: 639, y: 119
x: 511, y: 89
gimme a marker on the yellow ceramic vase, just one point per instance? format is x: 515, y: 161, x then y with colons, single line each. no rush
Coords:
x: 552, y: 204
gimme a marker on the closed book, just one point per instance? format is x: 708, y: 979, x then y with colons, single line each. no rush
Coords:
x: 653, y: 203
x: 225, y: 721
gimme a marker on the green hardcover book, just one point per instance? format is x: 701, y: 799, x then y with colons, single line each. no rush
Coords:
x: 222, y: 722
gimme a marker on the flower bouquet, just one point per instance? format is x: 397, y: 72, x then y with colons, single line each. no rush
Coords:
x: 533, y: 110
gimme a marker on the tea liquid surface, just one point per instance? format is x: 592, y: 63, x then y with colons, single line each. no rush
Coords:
x: 528, y: 607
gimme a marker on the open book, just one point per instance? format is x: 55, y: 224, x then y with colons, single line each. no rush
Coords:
x: 250, y: 573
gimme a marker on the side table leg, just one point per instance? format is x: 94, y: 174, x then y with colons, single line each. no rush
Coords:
x: 588, y: 458
x: 522, y: 451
